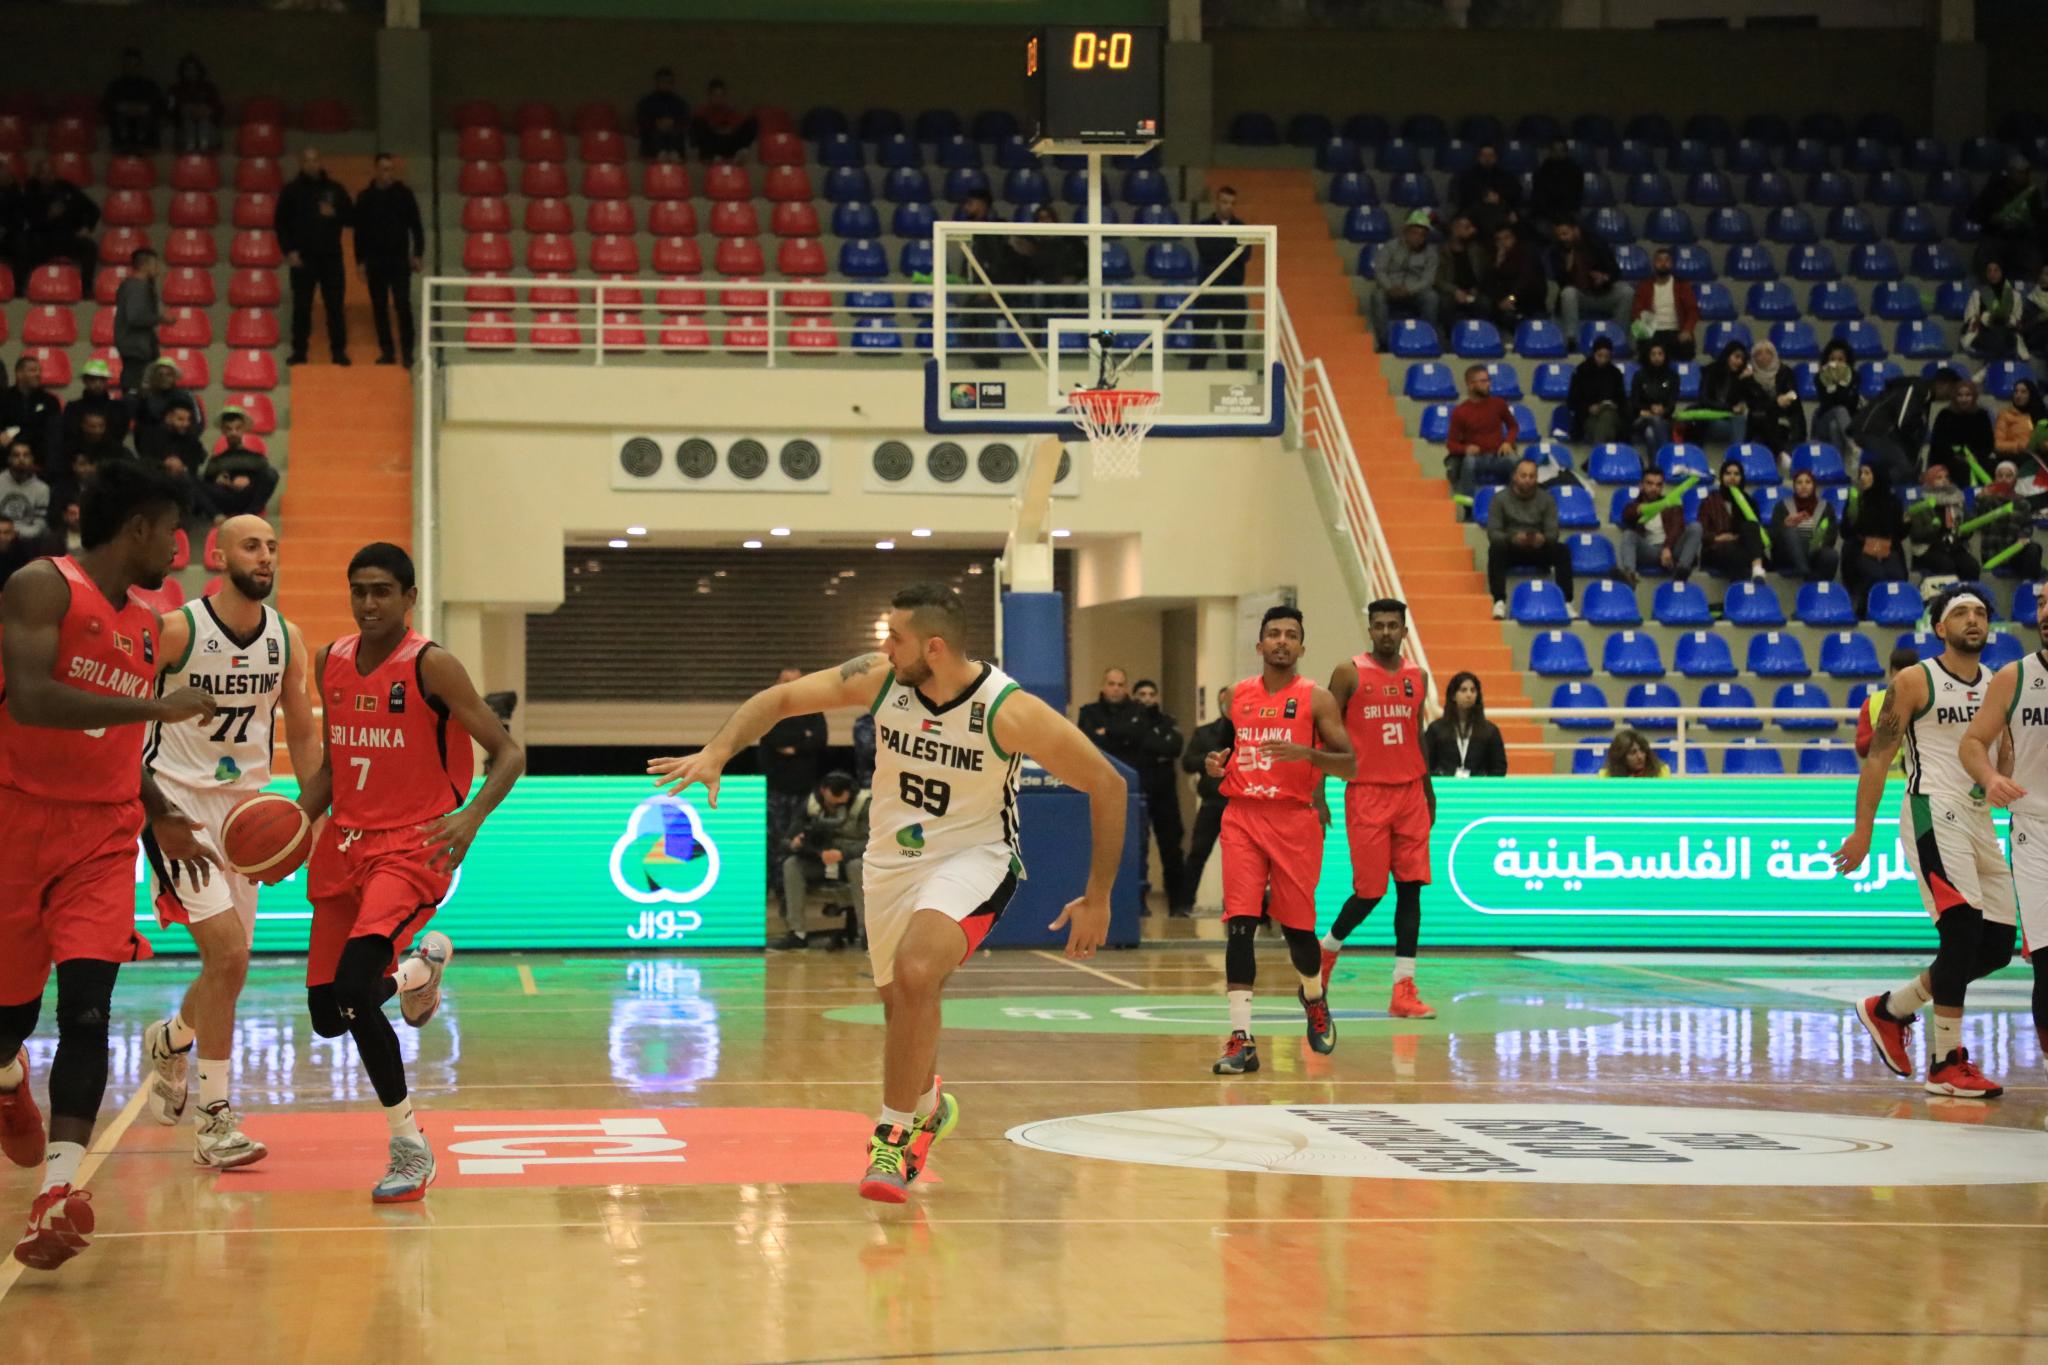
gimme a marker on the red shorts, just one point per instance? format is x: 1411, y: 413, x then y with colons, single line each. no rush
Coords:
x: 67, y: 888
x: 1276, y: 845
x: 1388, y: 829
x: 364, y: 883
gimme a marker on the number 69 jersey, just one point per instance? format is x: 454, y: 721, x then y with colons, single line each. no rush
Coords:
x: 232, y: 751
x: 942, y: 783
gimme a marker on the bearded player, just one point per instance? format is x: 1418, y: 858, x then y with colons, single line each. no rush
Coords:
x: 252, y: 662
x: 943, y: 855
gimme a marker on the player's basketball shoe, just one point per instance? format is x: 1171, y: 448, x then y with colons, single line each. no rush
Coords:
x: 1240, y: 1054
x: 1406, y: 1004
x: 1329, y: 965
x: 935, y: 1125
x: 59, y: 1227
x: 1957, y: 1075
x: 417, y: 1005
x: 888, y: 1177
x: 221, y: 1143
x: 1322, y: 1028
x: 1888, y: 1033
x: 21, y: 1123
x: 168, y: 1088
x: 411, y: 1171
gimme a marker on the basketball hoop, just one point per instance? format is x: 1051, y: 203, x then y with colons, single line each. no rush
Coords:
x: 1115, y: 422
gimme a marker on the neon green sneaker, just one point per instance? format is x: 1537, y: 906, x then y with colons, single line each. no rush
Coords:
x: 888, y: 1157
x: 936, y: 1125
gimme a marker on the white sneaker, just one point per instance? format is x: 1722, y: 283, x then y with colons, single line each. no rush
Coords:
x: 417, y: 1005
x: 222, y: 1144
x: 1571, y: 611
x: 1500, y: 611
x: 407, y: 1177
x: 168, y: 1088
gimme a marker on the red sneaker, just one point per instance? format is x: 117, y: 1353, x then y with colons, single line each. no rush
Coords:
x: 1406, y: 1004
x: 59, y: 1227
x: 21, y: 1123
x: 1329, y: 962
x: 1957, y: 1075
x: 1888, y: 1033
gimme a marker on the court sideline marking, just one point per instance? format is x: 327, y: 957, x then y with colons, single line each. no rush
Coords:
x: 1050, y: 956
x: 526, y: 981
x: 109, y: 1138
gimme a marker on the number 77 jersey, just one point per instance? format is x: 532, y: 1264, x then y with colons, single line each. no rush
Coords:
x: 942, y: 783
x: 245, y: 678
x: 397, y: 758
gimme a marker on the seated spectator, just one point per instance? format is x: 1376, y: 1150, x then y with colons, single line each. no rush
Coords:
x: 1521, y: 531
x: 1902, y: 658
x: 58, y: 223
x: 2011, y: 525
x: 1482, y: 445
x: 1804, y: 533
x: 16, y: 549
x: 1731, y: 532
x: 95, y: 441
x: 1873, y: 535
x: 1776, y: 419
x: 1721, y: 412
x: 1485, y: 192
x: 1630, y: 755
x: 825, y: 851
x: 1931, y: 524
x: 1512, y: 281
x: 1961, y: 438
x: 1462, y: 742
x: 1666, y: 308
x: 196, y: 107
x: 1653, y: 524
x: 94, y: 379
x: 65, y: 539
x: 32, y: 411
x: 2034, y: 316
x: 2012, y: 435
x: 664, y: 119
x: 1890, y: 429
x: 237, y: 479
x: 132, y: 107
x: 175, y: 446
x: 1460, y: 269
x: 24, y: 497
x: 1839, y: 396
x: 721, y: 131
x: 1558, y: 189
x: 159, y: 394
x: 1653, y: 398
x: 2011, y: 211
x: 1597, y: 399
x: 1992, y: 317
x: 1589, y: 284
x: 1404, y: 279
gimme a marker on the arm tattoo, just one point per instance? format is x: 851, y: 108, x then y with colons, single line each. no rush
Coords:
x: 1890, y: 722
x: 859, y: 664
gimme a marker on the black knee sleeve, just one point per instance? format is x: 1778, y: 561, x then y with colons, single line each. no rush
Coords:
x: 17, y: 1022
x: 1407, y: 917
x: 361, y: 985
x: 1240, y: 951
x: 2041, y: 993
x: 1352, y: 915
x: 326, y: 1012
x: 78, y: 1073
x: 1994, y: 949
x: 1305, y: 949
x: 1960, y: 930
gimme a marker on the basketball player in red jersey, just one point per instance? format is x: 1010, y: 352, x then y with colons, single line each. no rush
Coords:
x: 1390, y: 805
x: 1288, y: 733
x: 77, y: 688
x: 400, y: 713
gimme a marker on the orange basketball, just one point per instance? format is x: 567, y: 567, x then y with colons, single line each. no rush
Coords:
x: 267, y: 837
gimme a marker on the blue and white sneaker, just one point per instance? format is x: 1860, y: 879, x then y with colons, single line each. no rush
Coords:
x: 411, y: 1171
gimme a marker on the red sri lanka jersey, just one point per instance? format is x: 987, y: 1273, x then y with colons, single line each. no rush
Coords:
x: 1384, y: 720
x: 106, y: 650
x: 1259, y: 717
x: 396, y: 757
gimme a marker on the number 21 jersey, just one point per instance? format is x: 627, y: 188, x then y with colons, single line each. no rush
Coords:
x: 942, y: 783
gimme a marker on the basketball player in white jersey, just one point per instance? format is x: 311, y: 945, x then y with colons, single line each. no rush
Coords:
x: 253, y: 663
x: 943, y: 852
x: 1945, y: 828
x: 2016, y: 711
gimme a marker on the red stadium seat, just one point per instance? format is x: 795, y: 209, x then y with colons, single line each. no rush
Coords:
x: 193, y: 370
x: 255, y: 250
x: 185, y: 328
x: 601, y: 216
x: 549, y: 215
x: 489, y: 331
x: 781, y: 149
x: 486, y: 214
x: 106, y: 282
x: 73, y: 166
x: 255, y: 211
x: 724, y: 180
x: 746, y: 334
x: 536, y: 114
x: 209, y: 549
x: 606, y: 180
x: 128, y: 208
x: 56, y: 282
x: 735, y: 218
x: 49, y: 324
x: 480, y: 143
x: 56, y: 366
x: 259, y: 139
x: 191, y: 246
x: 672, y: 218
x: 556, y: 294
x: 6, y: 286
x: 487, y: 293
x: 262, y: 413
x: 101, y: 333
x: 680, y: 296
x: 110, y: 358
x: 602, y: 144
x: 544, y: 180
x: 212, y: 588
x: 254, y: 289
x: 486, y: 252
x: 685, y: 334
x: 748, y: 300
x: 193, y: 288
x: 551, y: 251
x: 555, y: 331
x: 326, y: 116
x: 252, y: 328
x: 482, y: 177
x: 677, y: 256
x: 615, y: 256
x: 194, y: 209
x: 251, y: 370
x: 596, y: 117
x: 800, y: 257
x: 739, y: 256
x: 799, y: 219
x: 118, y: 244
x: 621, y: 331
x: 813, y: 332
x: 543, y: 144
x: 71, y: 135
x: 131, y: 173
x: 196, y: 171
x: 785, y: 183
x: 807, y: 300
x: 168, y: 598
x: 773, y: 118
x: 665, y: 180
x: 478, y: 113
x: 262, y: 109
x: 623, y: 291
x: 258, y: 175
x: 3, y: 327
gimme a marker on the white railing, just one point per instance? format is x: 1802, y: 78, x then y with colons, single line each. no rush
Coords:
x: 1686, y: 722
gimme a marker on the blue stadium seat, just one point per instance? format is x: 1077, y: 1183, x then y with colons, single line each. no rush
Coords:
x: 2025, y: 606
x: 1847, y: 654
x: 1808, y: 154
x: 1415, y: 339
x: 1725, y: 696
x: 936, y: 125
x: 1592, y: 553
x: 877, y: 125
x: 1821, y: 460
x: 1750, y: 262
x: 1589, y: 758
x: 1679, y: 459
x: 1890, y: 190
x: 1605, y: 602
x: 1806, y: 697
x: 1826, y: 759
x: 1911, y: 225
x: 1014, y: 153
x: 1859, y: 694
x: 962, y: 181
x: 863, y: 258
x: 1170, y: 262
x: 1897, y: 302
x: 1716, y: 304
x: 1631, y: 157
x: 1812, y: 263
x: 1873, y: 375
x: 1612, y: 226
x: 1747, y: 156
x: 1695, y: 763
x: 1580, y: 696
x: 1759, y: 465
x: 1830, y: 190
x: 1145, y: 187
x: 1553, y: 381
x: 1934, y: 261
x: 1923, y: 339
x: 856, y: 219
x: 1525, y: 423
x: 1709, y: 190
x: 1753, y: 603
x: 1768, y: 190
x: 1307, y: 130
x: 848, y: 184
x: 1352, y: 188
x: 1982, y: 154
x: 1615, y: 332
x: 877, y: 333
x: 1790, y: 227
x: 1750, y: 759
x: 1894, y: 604
x: 1650, y: 706
x: 1412, y: 190
x: 1774, y: 654
x: 907, y: 184
x: 1631, y: 262
x: 1703, y: 654
x: 915, y: 260
x: 1455, y: 156
x: 1718, y: 334
x: 1026, y: 185
x: 1851, y: 227
x: 1867, y: 155
x: 911, y: 220
x: 1948, y: 187
x: 1539, y: 339
x: 1575, y: 510
x: 1616, y: 464
x: 1795, y: 340
x: 1368, y: 223
x: 1074, y: 187
x: 1397, y: 156
x: 2001, y: 649
x: 840, y: 149
x: 1921, y: 642
x: 2001, y: 375
x: 822, y: 121
x: 1436, y: 425
x: 1833, y: 300
x: 899, y: 152
x: 871, y: 300
x: 1769, y: 301
x: 1824, y: 604
x: 1597, y: 191
x: 1339, y: 154
x: 1559, y: 654
x: 1650, y: 190
x: 1116, y: 262
x: 1155, y: 215
x: 1631, y: 654
x: 1731, y: 227
x: 1429, y: 383
x: 1874, y: 263
x: 1670, y: 227
x: 1254, y: 130
x: 1508, y: 384
x: 1680, y: 604
x: 1475, y: 340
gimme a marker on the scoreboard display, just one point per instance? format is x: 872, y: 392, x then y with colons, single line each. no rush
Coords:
x: 1097, y: 84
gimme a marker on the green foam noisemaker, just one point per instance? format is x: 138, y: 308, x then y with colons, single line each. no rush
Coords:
x: 1671, y: 499
x: 1703, y: 414
x: 2007, y: 553
x: 1996, y: 513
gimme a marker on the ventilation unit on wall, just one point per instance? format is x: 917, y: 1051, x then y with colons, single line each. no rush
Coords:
x: 970, y: 466
x: 723, y: 463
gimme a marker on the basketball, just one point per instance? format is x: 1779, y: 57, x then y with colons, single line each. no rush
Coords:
x: 267, y: 837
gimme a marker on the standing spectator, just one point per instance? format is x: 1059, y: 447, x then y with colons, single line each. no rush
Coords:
x: 979, y: 315
x: 1589, y: 284
x: 237, y: 478
x: 32, y: 411
x: 1206, y: 740
x: 1803, y: 533
x: 132, y: 107
x: 825, y: 849
x: 664, y: 117
x: 1666, y: 308
x: 864, y: 750
x: 1731, y: 532
x: 13, y: 223
x: 1724, y: 398
x: 1902, y: 658
x: 1521, y: 531
x: 1931, y: 524
x: 2014, y: 525
x: 1462, y: 742
x: 1597, y: 399
x: 1776, y: 419
x: 1653, y: 524
x: 1512, y: 281
x: 311, y: 213
x: 1653, y: 398
x: 24, y: 497
x: 1992, y: 317
x: 1485, y: 192
x: 1630, y: 755
x: 720, y: 130
x: 94, y: 380
x: 1482, y: 441
x: 1159, y: 745
x: 196, y: 107
x: 1873, y: 535
x: 792, y: 752
x: 1890, y: 429
x: 2011, y: 211
x: 16, y: 549
x: 390, y: 240
x: 1460, y: 270
x: 1558, y: 190
x: 1404, y: 280
x: 138, y: 312
x: 1221, y: 315
x: 1835, y: 381
x: 156, y: 395
x: 58, y: 222
x: 1961, y: 438
x: 1118, y: 725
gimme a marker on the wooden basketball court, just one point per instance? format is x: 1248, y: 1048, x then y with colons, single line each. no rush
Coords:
x: 653, y: 1159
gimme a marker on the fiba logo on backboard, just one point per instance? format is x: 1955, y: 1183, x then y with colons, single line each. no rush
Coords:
x: 665, y: 857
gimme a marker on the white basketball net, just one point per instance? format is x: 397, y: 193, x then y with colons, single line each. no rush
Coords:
x: 1115, y: 421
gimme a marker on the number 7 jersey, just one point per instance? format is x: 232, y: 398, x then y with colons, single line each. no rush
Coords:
x: 942, y: 783
x: 396, y: 756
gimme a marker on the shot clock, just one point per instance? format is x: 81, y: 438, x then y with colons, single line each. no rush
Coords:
x: 1100, y: 84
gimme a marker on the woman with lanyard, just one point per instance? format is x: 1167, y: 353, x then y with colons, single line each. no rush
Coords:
x: 1462, y: 742
x: 1731, y: 532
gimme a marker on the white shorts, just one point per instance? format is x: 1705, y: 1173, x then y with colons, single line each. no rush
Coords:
x: 2030, y: 878
x: 226, y: 889
x: 1954, y: 853
x: 970, y: 887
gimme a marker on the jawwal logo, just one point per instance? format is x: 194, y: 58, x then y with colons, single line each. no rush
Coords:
x: 911, y: 839
x: 665, y: 857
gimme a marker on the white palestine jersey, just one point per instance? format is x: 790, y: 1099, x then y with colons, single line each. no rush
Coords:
x: 2027, y: 719
x: 231, y: 752
x: 942, y: 784
x: 1934, y: 735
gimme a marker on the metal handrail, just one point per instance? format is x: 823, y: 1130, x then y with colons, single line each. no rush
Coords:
x: 1681, y: 716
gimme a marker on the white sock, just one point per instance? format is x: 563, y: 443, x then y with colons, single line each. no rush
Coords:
x: 1404, y: 969
x: 1240, y: 1011
x: 1332, y: 944
x: 1311, y: 986
x: 896, y: 1118
x: 182, y: 1033
x: 213, y: 1082
x: 412, y: 974
x: 61, y: 1163
x: 13, y: 1074
x: 1948, y: 1034
x: 928, y: 1103
x: 1903, y: 1002
x: 399, y: 1116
